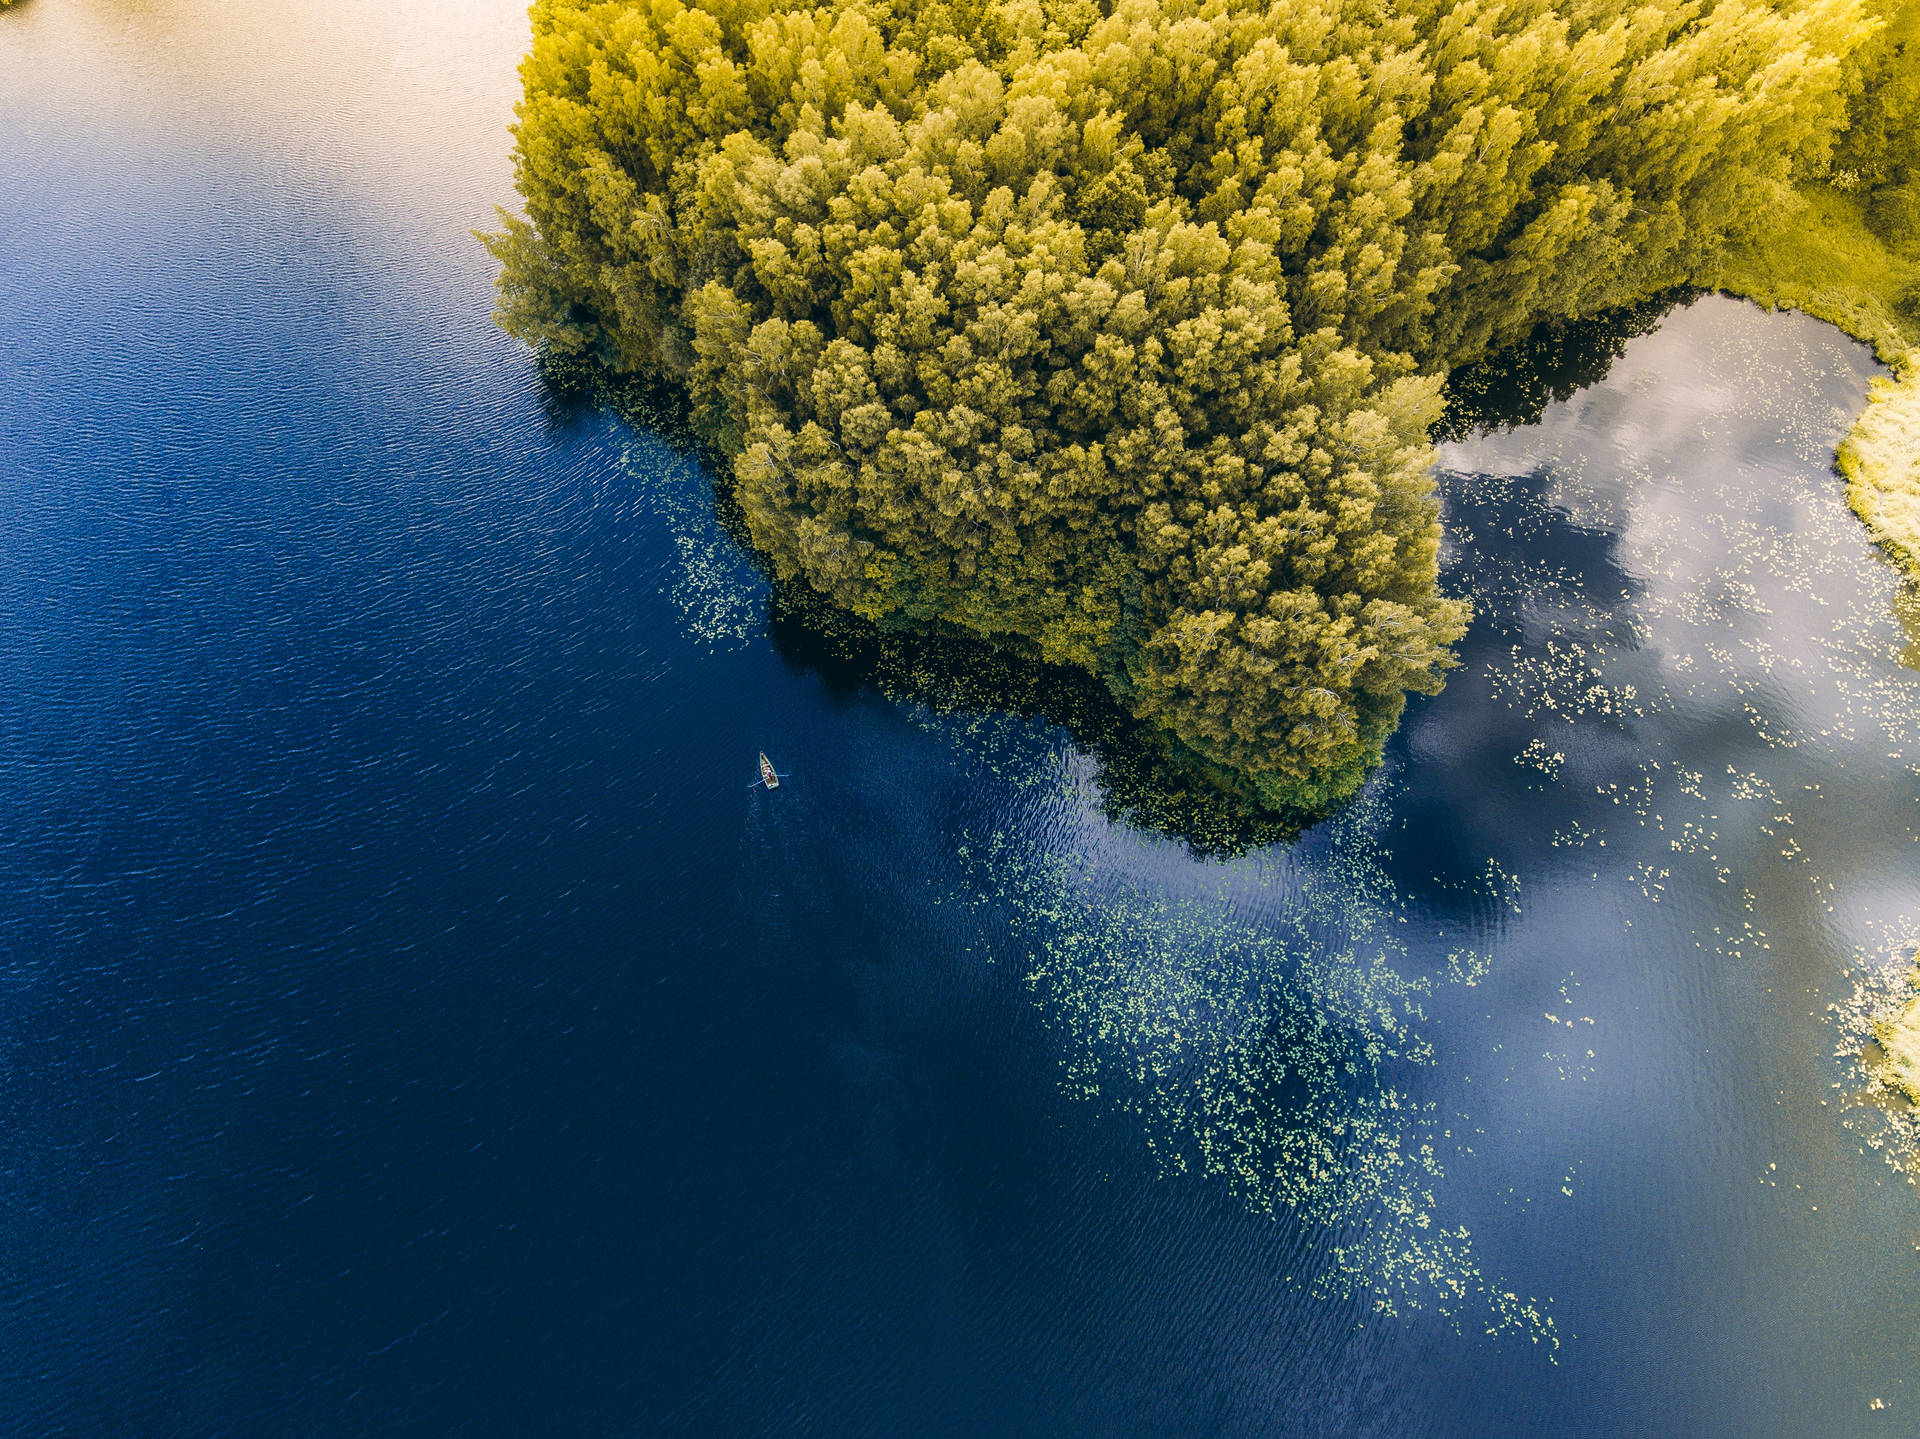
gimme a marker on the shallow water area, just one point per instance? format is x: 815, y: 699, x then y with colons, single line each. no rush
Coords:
x: 412, y: 1022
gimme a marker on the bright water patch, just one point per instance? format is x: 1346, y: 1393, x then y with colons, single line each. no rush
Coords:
x: 1262, y: 1053
x: 719, y: 592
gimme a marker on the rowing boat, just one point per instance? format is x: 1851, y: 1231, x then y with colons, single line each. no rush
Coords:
x: 767, y: 776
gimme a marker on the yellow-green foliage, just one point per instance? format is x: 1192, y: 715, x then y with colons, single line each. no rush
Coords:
x: 1114, y: 330
x: 1847, y: 249
x: 1898, y: 1035
x: 1881, y: 462
x: 1879, y: 153
x: 1820, y: 255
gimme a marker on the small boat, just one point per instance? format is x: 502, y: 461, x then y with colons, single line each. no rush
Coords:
x: 767, y: 776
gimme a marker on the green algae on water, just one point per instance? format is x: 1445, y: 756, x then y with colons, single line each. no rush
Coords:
x: 1264, y: 1054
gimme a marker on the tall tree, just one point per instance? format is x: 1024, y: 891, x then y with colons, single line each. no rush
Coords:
x: 1114, y: 331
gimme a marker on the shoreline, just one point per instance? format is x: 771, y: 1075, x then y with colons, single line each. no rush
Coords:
x: 1823, y: 259
x: 1898, y: 1038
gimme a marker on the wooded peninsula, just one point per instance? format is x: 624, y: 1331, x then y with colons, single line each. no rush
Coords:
x: 1114, y: 332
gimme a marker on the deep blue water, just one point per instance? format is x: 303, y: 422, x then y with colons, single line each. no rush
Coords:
x: 412, y: 1024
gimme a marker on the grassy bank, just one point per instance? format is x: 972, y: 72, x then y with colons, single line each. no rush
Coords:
x: 1898, y: 1036
x: 1881, y: 461
x: 1821, y: 257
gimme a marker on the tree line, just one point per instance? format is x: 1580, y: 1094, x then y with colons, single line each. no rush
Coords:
x: 1113, y: 331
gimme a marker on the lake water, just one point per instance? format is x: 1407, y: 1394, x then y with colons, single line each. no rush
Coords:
x: 412, y: 1024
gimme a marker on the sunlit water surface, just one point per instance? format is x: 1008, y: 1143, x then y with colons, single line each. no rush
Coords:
x: 412, y: 1023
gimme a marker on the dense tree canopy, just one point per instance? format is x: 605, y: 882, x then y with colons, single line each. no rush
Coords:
x: 1114, y: 329
x: 1880, y: 148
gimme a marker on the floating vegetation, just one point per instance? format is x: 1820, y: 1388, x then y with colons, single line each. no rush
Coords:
x: 1560, y: 358
x: 1707, y: 592
x: 1558, y: 681
x: 1541, y: 756
x: 573, y: 384
x: 721, y: 593
x: 1663, y: 677
x: 1743, y: 608
x: 1851, y: 260
x: 1142, y: 777
x: 1675, y: 673
x: 1263, y: 1054
x: 721, y: 590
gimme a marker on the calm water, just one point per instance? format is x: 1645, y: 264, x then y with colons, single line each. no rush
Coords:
x: 411, y: 1024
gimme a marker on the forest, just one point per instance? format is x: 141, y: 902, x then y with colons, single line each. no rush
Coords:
x: 1115, y: 333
